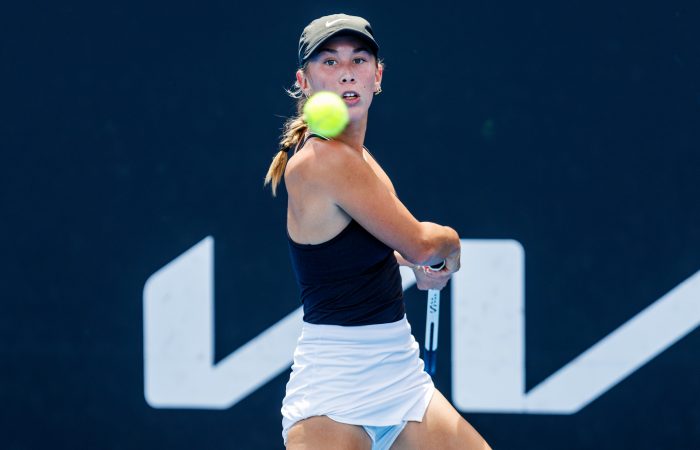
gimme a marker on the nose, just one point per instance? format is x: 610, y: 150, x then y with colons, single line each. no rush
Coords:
x: 347, y: 77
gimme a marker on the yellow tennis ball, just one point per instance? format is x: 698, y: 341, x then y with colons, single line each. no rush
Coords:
x: 326, y: 114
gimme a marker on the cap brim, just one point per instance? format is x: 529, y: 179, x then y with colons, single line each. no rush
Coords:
x: 374, y: 47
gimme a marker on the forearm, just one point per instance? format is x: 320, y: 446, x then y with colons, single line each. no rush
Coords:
x: 446, y: 249
x: 442, y: 243
x: 436, y: 244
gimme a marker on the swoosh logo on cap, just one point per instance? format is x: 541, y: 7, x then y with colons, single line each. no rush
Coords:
x: 330, y: 24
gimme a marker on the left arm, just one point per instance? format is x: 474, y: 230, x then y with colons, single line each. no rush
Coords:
x: 425, y: 279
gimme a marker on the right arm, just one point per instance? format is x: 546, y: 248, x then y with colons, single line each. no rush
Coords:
x: 350, y: 182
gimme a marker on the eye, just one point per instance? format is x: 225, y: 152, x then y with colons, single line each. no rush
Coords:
x: 359, y: 60
x: 329, y: 62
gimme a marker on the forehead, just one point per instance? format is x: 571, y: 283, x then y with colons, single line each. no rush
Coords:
x: 344, y: 42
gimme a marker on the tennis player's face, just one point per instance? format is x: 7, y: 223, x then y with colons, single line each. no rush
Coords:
x: 346, y: 66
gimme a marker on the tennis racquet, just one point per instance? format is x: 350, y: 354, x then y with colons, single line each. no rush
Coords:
x: 432, y: 321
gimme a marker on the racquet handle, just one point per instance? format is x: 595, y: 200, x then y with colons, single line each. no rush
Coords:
x: 432, y: 321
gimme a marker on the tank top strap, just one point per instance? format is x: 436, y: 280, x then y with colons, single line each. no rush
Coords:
x: 301, y: 143
x: 306, y: 138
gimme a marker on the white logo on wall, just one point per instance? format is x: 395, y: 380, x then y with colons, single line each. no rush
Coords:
x: 488, y: 340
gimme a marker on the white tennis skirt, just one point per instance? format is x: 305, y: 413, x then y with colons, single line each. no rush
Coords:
x: 361, y: 375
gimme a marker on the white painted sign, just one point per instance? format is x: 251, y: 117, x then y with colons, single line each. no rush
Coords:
x: 488, y: 338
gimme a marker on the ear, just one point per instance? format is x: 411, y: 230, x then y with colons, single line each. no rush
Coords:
x: 378, y: 77
x: 303, y: 82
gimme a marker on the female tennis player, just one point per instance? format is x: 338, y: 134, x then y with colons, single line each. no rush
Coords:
x: 357, y: 381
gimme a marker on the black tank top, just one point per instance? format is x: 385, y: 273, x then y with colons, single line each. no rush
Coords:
x: 352, y: 279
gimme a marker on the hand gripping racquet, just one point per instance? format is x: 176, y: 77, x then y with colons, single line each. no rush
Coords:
x: 432, y: 321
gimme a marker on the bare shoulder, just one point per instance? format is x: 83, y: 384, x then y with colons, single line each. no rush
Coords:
x: 313, y: 213
x: 331, y: 182
x: 321, y: 162
x: 333, y: 155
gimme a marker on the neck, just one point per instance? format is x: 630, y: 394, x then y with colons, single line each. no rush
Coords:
x: 354, y: 134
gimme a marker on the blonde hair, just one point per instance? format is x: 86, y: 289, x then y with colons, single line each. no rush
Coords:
x: 292, y: 132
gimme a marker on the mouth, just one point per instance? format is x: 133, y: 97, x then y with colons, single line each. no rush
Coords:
x: 351, y: 97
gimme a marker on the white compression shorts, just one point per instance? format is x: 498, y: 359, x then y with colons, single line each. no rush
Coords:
x: 368, y: 375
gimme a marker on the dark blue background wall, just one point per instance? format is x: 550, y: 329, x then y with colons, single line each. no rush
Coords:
x: 131, y: 131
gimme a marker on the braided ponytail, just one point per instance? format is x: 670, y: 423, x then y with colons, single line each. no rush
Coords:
x: 293, y: 132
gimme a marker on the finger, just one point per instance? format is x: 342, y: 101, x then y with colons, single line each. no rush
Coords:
x: 431, y: 284
x: 441, y: 276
